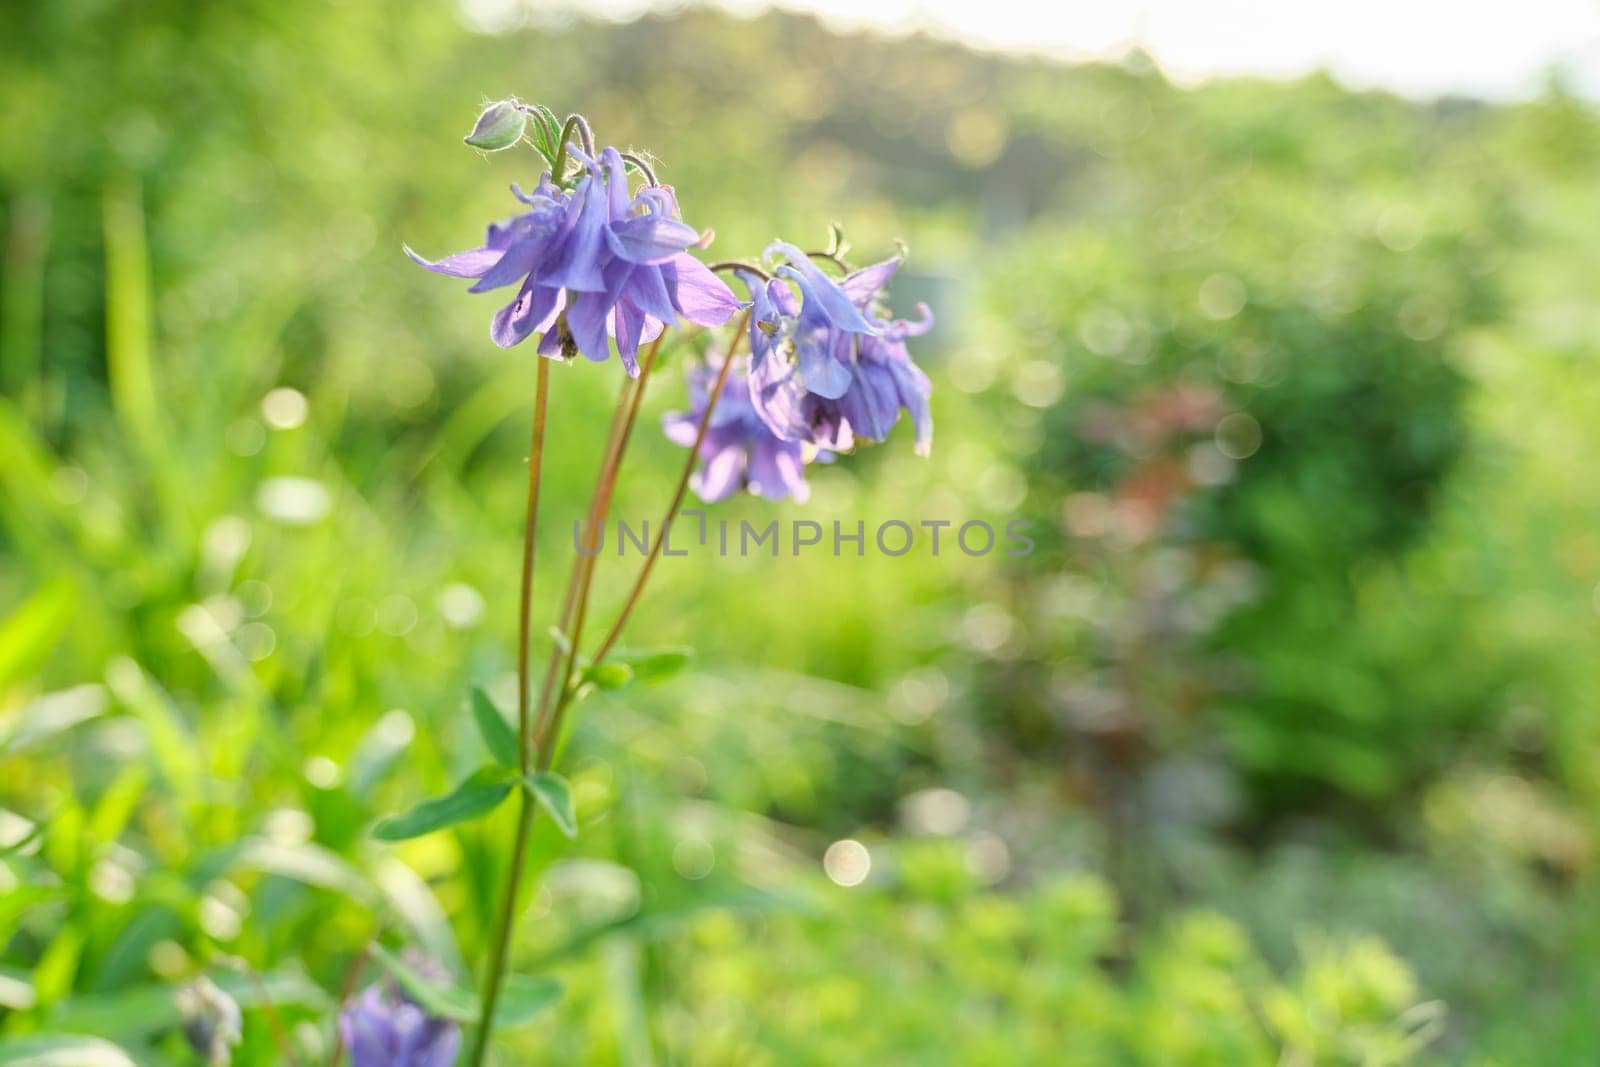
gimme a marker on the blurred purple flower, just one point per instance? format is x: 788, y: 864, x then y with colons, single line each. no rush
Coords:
x: 385, y: 1028
x: 593, y: 262
x: 739, y: 451
x: 816, y: 375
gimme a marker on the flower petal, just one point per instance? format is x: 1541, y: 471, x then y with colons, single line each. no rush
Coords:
x: 517, y: 263
x: 649, y: 239
x: 648, y: 290
x: 817, y: 286
x: 862, y: 285
x: 698, y: 294
x: 822, y: 372
x: 722, y: 475
x: 473, y: 263
x: 822, y: 350
x: 680, y: 427
x: 583, y: 250
x: 616, y: 184
x: 776, y: 471
x: 627, y: 323
x: 777, y: 396
x: 586, y: 318
x: 535, y: 308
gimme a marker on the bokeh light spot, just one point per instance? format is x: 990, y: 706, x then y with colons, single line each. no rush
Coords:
x: 847, y: 863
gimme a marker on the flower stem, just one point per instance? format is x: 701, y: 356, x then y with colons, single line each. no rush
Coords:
x: 677, y: 500
x: 734, y: 266
x: 583, y: 577
x: 576, y: 124
x: 500, y: 942
x: 280, y: 1036
x: 643, y: 165
x: 532, y: 729
x: 530, y: 524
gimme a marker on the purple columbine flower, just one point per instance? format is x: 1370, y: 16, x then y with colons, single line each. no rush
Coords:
x: 739, y: 451
x: 385, y: 1028
x: 593, y: 262
x: 816, y: 376
x: 824, y: 329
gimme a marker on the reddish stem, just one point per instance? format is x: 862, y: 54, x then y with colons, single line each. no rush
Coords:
x: 677, y: 500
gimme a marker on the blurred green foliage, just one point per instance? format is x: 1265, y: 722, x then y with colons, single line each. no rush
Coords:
x: 1296, y: 385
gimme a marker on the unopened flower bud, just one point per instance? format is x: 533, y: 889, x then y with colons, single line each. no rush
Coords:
x: 500, y: 126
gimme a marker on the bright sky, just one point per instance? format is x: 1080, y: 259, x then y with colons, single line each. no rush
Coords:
x: 1495, y: 48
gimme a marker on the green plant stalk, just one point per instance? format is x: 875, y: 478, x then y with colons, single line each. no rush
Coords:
x: 533, y: 737
x: 576, y: 124
x: 546, y: 743
x: 502, y: 932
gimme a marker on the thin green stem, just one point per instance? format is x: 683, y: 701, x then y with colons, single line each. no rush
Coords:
x: 583, y: 573
x: 533, y: 733
x: 598, y: 503
x: 280, y: 1036
x: 677, y: 500
x: 529, y: 526
x: 500, y: 943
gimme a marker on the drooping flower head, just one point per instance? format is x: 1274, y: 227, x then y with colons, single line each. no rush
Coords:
x: 739, y: 449
x: 829, y: 366
x: 383, y: 1027
x: 593, y: 262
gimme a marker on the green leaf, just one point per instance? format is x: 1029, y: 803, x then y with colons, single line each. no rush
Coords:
x: 496, y: 732
x: 547, y: 131
x: 440, y: 999
x: 306, y: 862
x: 555, y: 797
x: 62, y: 1050
x: 522, y: 997
x: 477, y: 796
x: 608, y: 675
x: 552, y: 130
x: 139, y: 1012
x: 653, y: 664
x: 165, y: 727
x: 413, y: 900
x: 34, y: 630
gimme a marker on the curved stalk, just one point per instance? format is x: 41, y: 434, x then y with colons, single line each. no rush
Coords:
x: 732, y: 265
x: 575, y: 124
